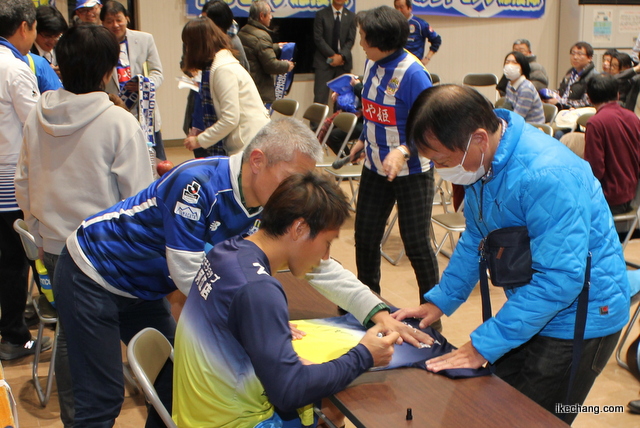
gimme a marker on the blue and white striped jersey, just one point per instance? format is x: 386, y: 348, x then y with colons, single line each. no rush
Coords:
x: 147, y: 245
x: 391, y: 85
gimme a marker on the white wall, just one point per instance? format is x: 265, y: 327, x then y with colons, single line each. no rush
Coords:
x: 469, y: 45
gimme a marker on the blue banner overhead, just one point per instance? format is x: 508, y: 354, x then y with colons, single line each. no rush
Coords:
x: 280, y: 8
x: 481, y: 8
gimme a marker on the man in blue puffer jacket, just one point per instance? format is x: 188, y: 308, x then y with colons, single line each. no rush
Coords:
x: 517, y: 176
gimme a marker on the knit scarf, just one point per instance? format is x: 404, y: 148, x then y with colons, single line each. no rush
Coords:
x: 208, y: 112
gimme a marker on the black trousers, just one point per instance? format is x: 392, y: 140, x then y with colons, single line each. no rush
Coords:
x: 376, y: 197
x: 14, y: 281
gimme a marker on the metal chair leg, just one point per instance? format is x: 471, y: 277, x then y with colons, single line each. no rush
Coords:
x: 624, y: 338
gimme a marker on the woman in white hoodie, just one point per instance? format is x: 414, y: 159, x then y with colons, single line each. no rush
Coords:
x: 80, y: 154
x: 233, y: 109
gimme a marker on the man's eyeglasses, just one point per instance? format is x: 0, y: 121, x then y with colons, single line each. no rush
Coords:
x: 576, y: 53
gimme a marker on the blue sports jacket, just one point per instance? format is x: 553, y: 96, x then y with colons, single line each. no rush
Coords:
x: 536, y: 181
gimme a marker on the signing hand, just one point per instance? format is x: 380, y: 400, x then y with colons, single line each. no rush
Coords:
x: 407, y: 333
x: 191, y: 143
x: 466, y: 357
x: 381, y: 348
x: 427, y: 311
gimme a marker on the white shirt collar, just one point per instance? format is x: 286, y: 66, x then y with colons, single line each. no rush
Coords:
x: 519, y: 81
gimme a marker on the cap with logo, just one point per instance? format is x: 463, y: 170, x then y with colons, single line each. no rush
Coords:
x: 86, y: 3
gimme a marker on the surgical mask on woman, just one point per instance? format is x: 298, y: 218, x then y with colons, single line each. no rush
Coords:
x: 512, y: 71
x: 459, y: 175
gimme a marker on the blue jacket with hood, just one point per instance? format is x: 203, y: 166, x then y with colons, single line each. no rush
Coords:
x: 536, y: 181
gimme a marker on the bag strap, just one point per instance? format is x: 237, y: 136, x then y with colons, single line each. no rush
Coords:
x: 581, y: 316
x: 578, y: 332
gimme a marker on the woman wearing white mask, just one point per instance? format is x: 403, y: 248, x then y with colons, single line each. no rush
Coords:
x: 521, y: 93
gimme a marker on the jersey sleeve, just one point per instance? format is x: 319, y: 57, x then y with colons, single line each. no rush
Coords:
x: 258, y: 318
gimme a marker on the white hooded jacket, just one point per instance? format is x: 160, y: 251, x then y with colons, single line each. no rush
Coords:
x: 80, y: 154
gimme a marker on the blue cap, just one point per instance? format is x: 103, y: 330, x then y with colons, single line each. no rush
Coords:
x: 86, y: 3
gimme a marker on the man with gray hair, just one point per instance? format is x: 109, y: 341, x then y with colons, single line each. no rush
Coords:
x: 120, y: 263
x: 261, y: 52
x: 18, y: 95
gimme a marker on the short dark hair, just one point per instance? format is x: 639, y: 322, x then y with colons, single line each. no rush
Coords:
x: 610, y: 52
x: 583, y: 45
x: 602, y: 88
x: 624, y: 60
x: 220, y: 13
x: 202, y: 40
x: 50, y: 20
x: 407, y: 2
x: 384, y: 28
x: 522, y: 42
x: 522, y: 61
x: 311, y: 196
x: 449, y: 113
x: 113, y: 8
x: 86, y: 53
x: 13, y: 13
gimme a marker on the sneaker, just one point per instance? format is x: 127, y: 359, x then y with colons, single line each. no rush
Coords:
x: 9, y: 351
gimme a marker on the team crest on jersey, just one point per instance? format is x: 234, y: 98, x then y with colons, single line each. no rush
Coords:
x: 254, y: 228
x: 214, y: 226
x: 412, y: 28
x: 392, y: 87
x: 191, y: 193
x: 190, y: 213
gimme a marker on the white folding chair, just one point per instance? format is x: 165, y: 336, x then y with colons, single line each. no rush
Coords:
x: 451, y: 222
x: 46, y: 315
x: 147, y: 352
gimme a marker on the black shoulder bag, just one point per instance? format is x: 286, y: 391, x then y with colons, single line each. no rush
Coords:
x: 506, y: 253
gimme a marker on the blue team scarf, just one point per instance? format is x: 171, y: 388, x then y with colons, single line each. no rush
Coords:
x: 145, y: 96
x: 284, y: 80
x: 208, y: 112
x: 13, y: 49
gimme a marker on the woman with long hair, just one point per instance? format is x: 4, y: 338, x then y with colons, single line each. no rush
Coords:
x: 233, y: 109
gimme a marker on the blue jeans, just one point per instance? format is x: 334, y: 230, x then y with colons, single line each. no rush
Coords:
x: 541, y: 367
x: 95, y: 321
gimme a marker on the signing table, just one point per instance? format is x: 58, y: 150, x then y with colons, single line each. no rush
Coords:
x: 381, y: 398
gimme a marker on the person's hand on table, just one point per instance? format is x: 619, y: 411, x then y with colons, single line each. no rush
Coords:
x: 393, y: 163
x: 191, y: 143
x: 428, y: 312
x: 380, y: 345
x: 296, y: 334
x: 465, y: 357
x: 407, y: 333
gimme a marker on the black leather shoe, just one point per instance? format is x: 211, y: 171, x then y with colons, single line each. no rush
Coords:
x: 634, y: 406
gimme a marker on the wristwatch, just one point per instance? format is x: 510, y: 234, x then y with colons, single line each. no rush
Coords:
x: 405, y: 152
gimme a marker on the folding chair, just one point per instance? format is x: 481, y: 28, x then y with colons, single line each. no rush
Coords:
x: 451, y: 222
x: 440, y: 197
x: 346, y: 122
x: 582, y: 121
x: 285, y: 106
x: 482, y: 80
x: 147, y: 353
x: 316, y: 113
x: 46, y: 315
x: 631, y: 219
x: 435, y: 79
x: 544, y: 128
x: 550, y: 112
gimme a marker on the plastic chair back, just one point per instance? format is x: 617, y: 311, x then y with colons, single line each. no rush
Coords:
x: 147, y: 353
x: 480, y: 79
x: 316, y: 113
x: 550, y: 112
x: 435, y: 79
x: 28, y: 242
x: 285, y: 106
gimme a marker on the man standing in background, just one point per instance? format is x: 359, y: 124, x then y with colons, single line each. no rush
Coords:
x: 334, y: 32
x: 419, y: 31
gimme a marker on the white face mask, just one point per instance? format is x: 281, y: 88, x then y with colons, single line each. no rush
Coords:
x: 512, y: 71
x: 459, y: 175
